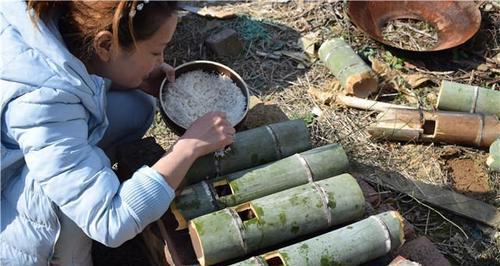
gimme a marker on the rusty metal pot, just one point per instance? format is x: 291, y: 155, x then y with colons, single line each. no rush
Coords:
x: 206, y: 66
x: 455, y: 21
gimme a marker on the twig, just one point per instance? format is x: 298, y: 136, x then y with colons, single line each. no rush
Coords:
x: 442, y: 216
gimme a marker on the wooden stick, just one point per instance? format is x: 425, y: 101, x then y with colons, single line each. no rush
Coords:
x: 355, y: 76
x: 253, y: 147
x: 365, y: 104
x: 354, y: 244
x: 466, y: 98
x: 493, y: 160
x: 242, y: 186
x: 261, y: 223
x: 439, y: 126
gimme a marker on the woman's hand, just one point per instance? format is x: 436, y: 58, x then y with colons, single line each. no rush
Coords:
x: 152, y: 84
x: 210, y: 133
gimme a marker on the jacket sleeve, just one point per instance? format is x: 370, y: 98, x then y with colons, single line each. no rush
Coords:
x: 51, y: 129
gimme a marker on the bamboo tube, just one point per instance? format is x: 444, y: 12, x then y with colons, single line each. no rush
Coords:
x: 439, y: 126
x: 237, y: 231
x: 354, y: 244
x: 253, y: 147
x: 242, y: 186
x: 493, y: 160
x: 355, y: 76
x: 466, y: 98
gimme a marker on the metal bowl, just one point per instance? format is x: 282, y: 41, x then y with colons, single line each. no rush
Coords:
x: 206, y: 66
x: 455, y: 21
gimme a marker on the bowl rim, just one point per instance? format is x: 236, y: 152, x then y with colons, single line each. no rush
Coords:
x: 245, y: 89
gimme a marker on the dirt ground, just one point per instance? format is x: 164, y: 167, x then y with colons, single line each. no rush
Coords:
x: 280, y: 79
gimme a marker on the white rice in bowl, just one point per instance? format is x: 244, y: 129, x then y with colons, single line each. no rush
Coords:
x: 196, y: 93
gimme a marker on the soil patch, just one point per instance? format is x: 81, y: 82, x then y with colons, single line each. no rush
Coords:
x: 468, y: 176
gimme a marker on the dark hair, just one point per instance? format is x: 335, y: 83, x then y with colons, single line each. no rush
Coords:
x: 128, y: 21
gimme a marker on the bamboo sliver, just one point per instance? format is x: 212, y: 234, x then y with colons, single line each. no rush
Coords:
x: 237, y: 231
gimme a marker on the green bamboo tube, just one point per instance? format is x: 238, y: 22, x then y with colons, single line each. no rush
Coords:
x: 466, y: 98
x: 253, y: 147
x: 493, y: 160
x: 237, y: 231
x: 354, y: 244
x: 242, y: 186
x: 354, y: 74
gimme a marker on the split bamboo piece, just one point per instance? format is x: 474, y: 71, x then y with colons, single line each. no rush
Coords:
x: 236, y: 231
x: 437, y: 126
x: 354, y: 244
x: 233, y: 189
x: 355, y: 76
x: 253, y: 147
x: 466, y: 98
x: 493, y: 160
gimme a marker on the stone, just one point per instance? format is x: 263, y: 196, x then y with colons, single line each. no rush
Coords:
x: 225, y: 43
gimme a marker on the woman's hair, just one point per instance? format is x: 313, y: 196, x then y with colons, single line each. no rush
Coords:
x: 80, y: 21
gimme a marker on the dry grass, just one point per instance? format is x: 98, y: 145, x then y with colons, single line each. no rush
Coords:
x: 269, y: 29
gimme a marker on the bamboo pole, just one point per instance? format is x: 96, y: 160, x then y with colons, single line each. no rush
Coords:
x: 493, y: 160
x: 365, y: 104
x: 242, y: 186
x: 253, y: 147
x: 353, y: 244
x: 438, y: 126
x: 237, y: 231
x: 466, y: 98
x: 355, y: 76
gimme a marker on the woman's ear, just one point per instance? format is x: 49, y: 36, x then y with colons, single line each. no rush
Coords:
x: 103, y: 44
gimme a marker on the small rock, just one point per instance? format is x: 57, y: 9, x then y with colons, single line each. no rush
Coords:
x: 225, y: 43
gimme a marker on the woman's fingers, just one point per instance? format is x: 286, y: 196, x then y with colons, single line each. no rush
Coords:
x: 169, y: 71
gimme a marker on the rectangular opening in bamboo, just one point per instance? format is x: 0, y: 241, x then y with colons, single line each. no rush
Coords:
x: 274, y: 260
x: 429, y: 127
x: 222, y: 188
x: 246, y: 212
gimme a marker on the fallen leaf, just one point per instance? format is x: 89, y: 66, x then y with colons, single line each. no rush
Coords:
x: 415, y: 80
x: 308, y: 43
x: 325, y: 97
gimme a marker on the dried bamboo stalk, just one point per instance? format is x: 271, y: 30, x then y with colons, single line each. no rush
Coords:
x: 466, y: 98
x: 237, y: 231
x: 355, y: 76
x: 365, y: 104
x: 436, y: 126
x: 253, y: 147
x: 493, y: 160
x: 354, y: 244
x: 242, y: 186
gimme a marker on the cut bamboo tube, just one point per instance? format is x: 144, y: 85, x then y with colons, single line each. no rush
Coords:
x: 466, y: 98
x: 355, y: 76
x: 237, y: 231
x: 354, y: 244
x: 438, y: 126
x: 242, y: 186
x: 493, y: 160
x: 365, y: 104
x: 253, y: 147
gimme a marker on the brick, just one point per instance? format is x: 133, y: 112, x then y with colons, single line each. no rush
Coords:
x: 423, y: 251
x: 225, y: 43
x: 401, y: 261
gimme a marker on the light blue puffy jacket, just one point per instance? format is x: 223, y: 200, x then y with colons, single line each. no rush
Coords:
x: 53, y: 115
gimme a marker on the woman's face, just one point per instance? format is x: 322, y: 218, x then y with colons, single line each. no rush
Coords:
x: 130, y: 68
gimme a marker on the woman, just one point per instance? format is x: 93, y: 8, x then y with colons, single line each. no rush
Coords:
x: 69, y: 79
